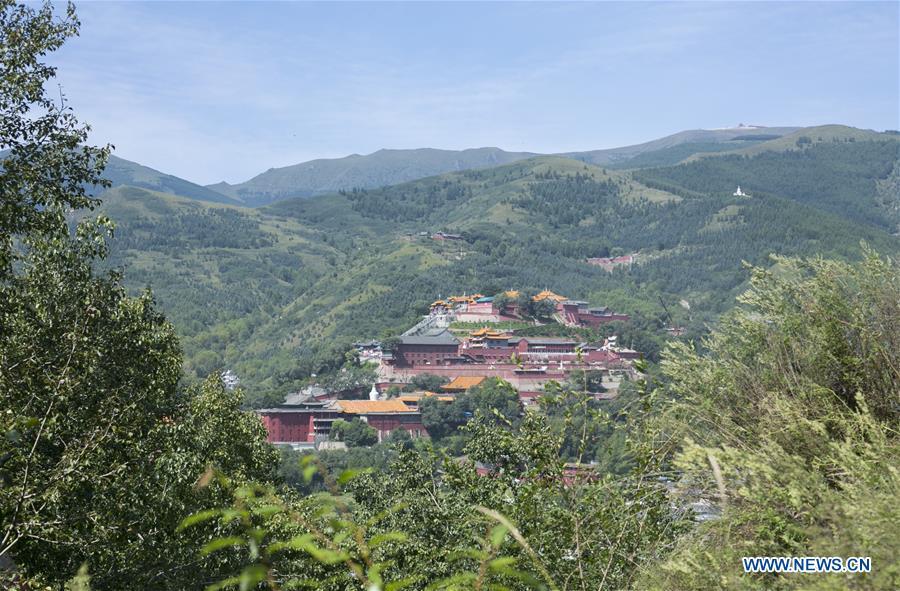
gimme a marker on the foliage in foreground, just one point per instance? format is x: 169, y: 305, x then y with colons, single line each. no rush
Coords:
x: 99, y: 445
x: 787, y: 425
x: 790, y: 422
x: 435, y: 522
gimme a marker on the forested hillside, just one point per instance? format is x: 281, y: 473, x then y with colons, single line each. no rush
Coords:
x: 730, y: 138
x: 840, y: 176
x: 776, y: 435
x: 277, y: 293
x: 381, y: 168
x: 391, y: 167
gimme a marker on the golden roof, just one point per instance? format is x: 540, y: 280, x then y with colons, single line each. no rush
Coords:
x: 463, y: 382
x: 361, y: 407
x: 512, y: 293
x: 491, y: 333
x: 546, y: 294
x: 438, y: 303
x: 461, y: 299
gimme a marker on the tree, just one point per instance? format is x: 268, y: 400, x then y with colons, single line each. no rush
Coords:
x: 439, y: 418
x: 355, y: 433
x: 495, y: 399
x: 389, y: 344
x: 101, y: 447
x: 587, y: 381
x: 428, y: 382
x: 525, y: 302
x: 788, y: 423
x: 503, y: 301
x: 434, y: 521
x: 46, y: 169
x: 543, y: 308
x: 490, y: 396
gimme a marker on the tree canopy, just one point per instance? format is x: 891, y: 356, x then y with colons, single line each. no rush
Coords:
x: 101, y: 446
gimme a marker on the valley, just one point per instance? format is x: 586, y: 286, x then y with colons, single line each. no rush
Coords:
x: 278, y: 293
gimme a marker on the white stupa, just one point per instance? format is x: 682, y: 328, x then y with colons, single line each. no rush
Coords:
x: 740, y: 193
x: 373, y: 393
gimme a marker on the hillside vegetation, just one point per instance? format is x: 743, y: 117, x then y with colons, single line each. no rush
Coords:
x: 391, y: 167
x: 839, y: 176
x: 117, y: 472
x: 276, y: 293
x: 119, y: 172
x: 381, y: 168
x: 731, y: 137
x: 784, y: 429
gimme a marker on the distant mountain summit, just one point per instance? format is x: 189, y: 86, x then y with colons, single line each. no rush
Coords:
x: 379, y: 169
x: 390, y: 167
x: 124, y: 172
x: 694, y: 136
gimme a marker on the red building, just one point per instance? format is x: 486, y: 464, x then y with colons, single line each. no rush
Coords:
x: 578, y: 313
x: 305, y: 424
x: 433, y: 349
x: 385, y: 416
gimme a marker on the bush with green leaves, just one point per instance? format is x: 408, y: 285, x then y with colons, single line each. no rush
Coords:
x: 510, y: 514
x: 101, y: 447
x: 443, y: 419
x: 789, y: 425
x: 355, y: 432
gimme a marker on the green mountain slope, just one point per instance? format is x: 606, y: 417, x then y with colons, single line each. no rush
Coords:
x: 124, y: 172
x: 842, y: 176
x: 732, y: 137
x: 381, y: 168
x: 683, y: 152
x: 277, y: 293
x: 808, y: 136
x: 220, y: 272
x: 391, y: 167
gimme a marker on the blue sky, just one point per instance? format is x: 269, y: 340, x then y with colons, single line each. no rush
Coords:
x: 223, y: 91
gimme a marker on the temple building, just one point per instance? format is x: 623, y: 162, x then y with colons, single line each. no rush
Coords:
x: 549, y: 295
x: 579, y: 313
x: 306, y: 424
x: 462, y: 383
x: 432, y: 348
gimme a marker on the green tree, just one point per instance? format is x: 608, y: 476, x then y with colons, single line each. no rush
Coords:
x: 525, y: 302
x: 101, y: 448
x: 431, y: 521
x: 543, y: 308
x: 502, y: 301
x: 495, y: 399
x: 428, y: 382
x: 355, y: 433
x: 46, y: 169
x: 493, y: 395
x: 789, y: 424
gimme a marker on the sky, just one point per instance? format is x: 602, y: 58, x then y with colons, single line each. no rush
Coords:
x: 213, y: 91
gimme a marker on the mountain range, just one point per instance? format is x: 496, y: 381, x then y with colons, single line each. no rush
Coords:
x: 391, y: 167
x: 124, y: 172
x: 278, y: 292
